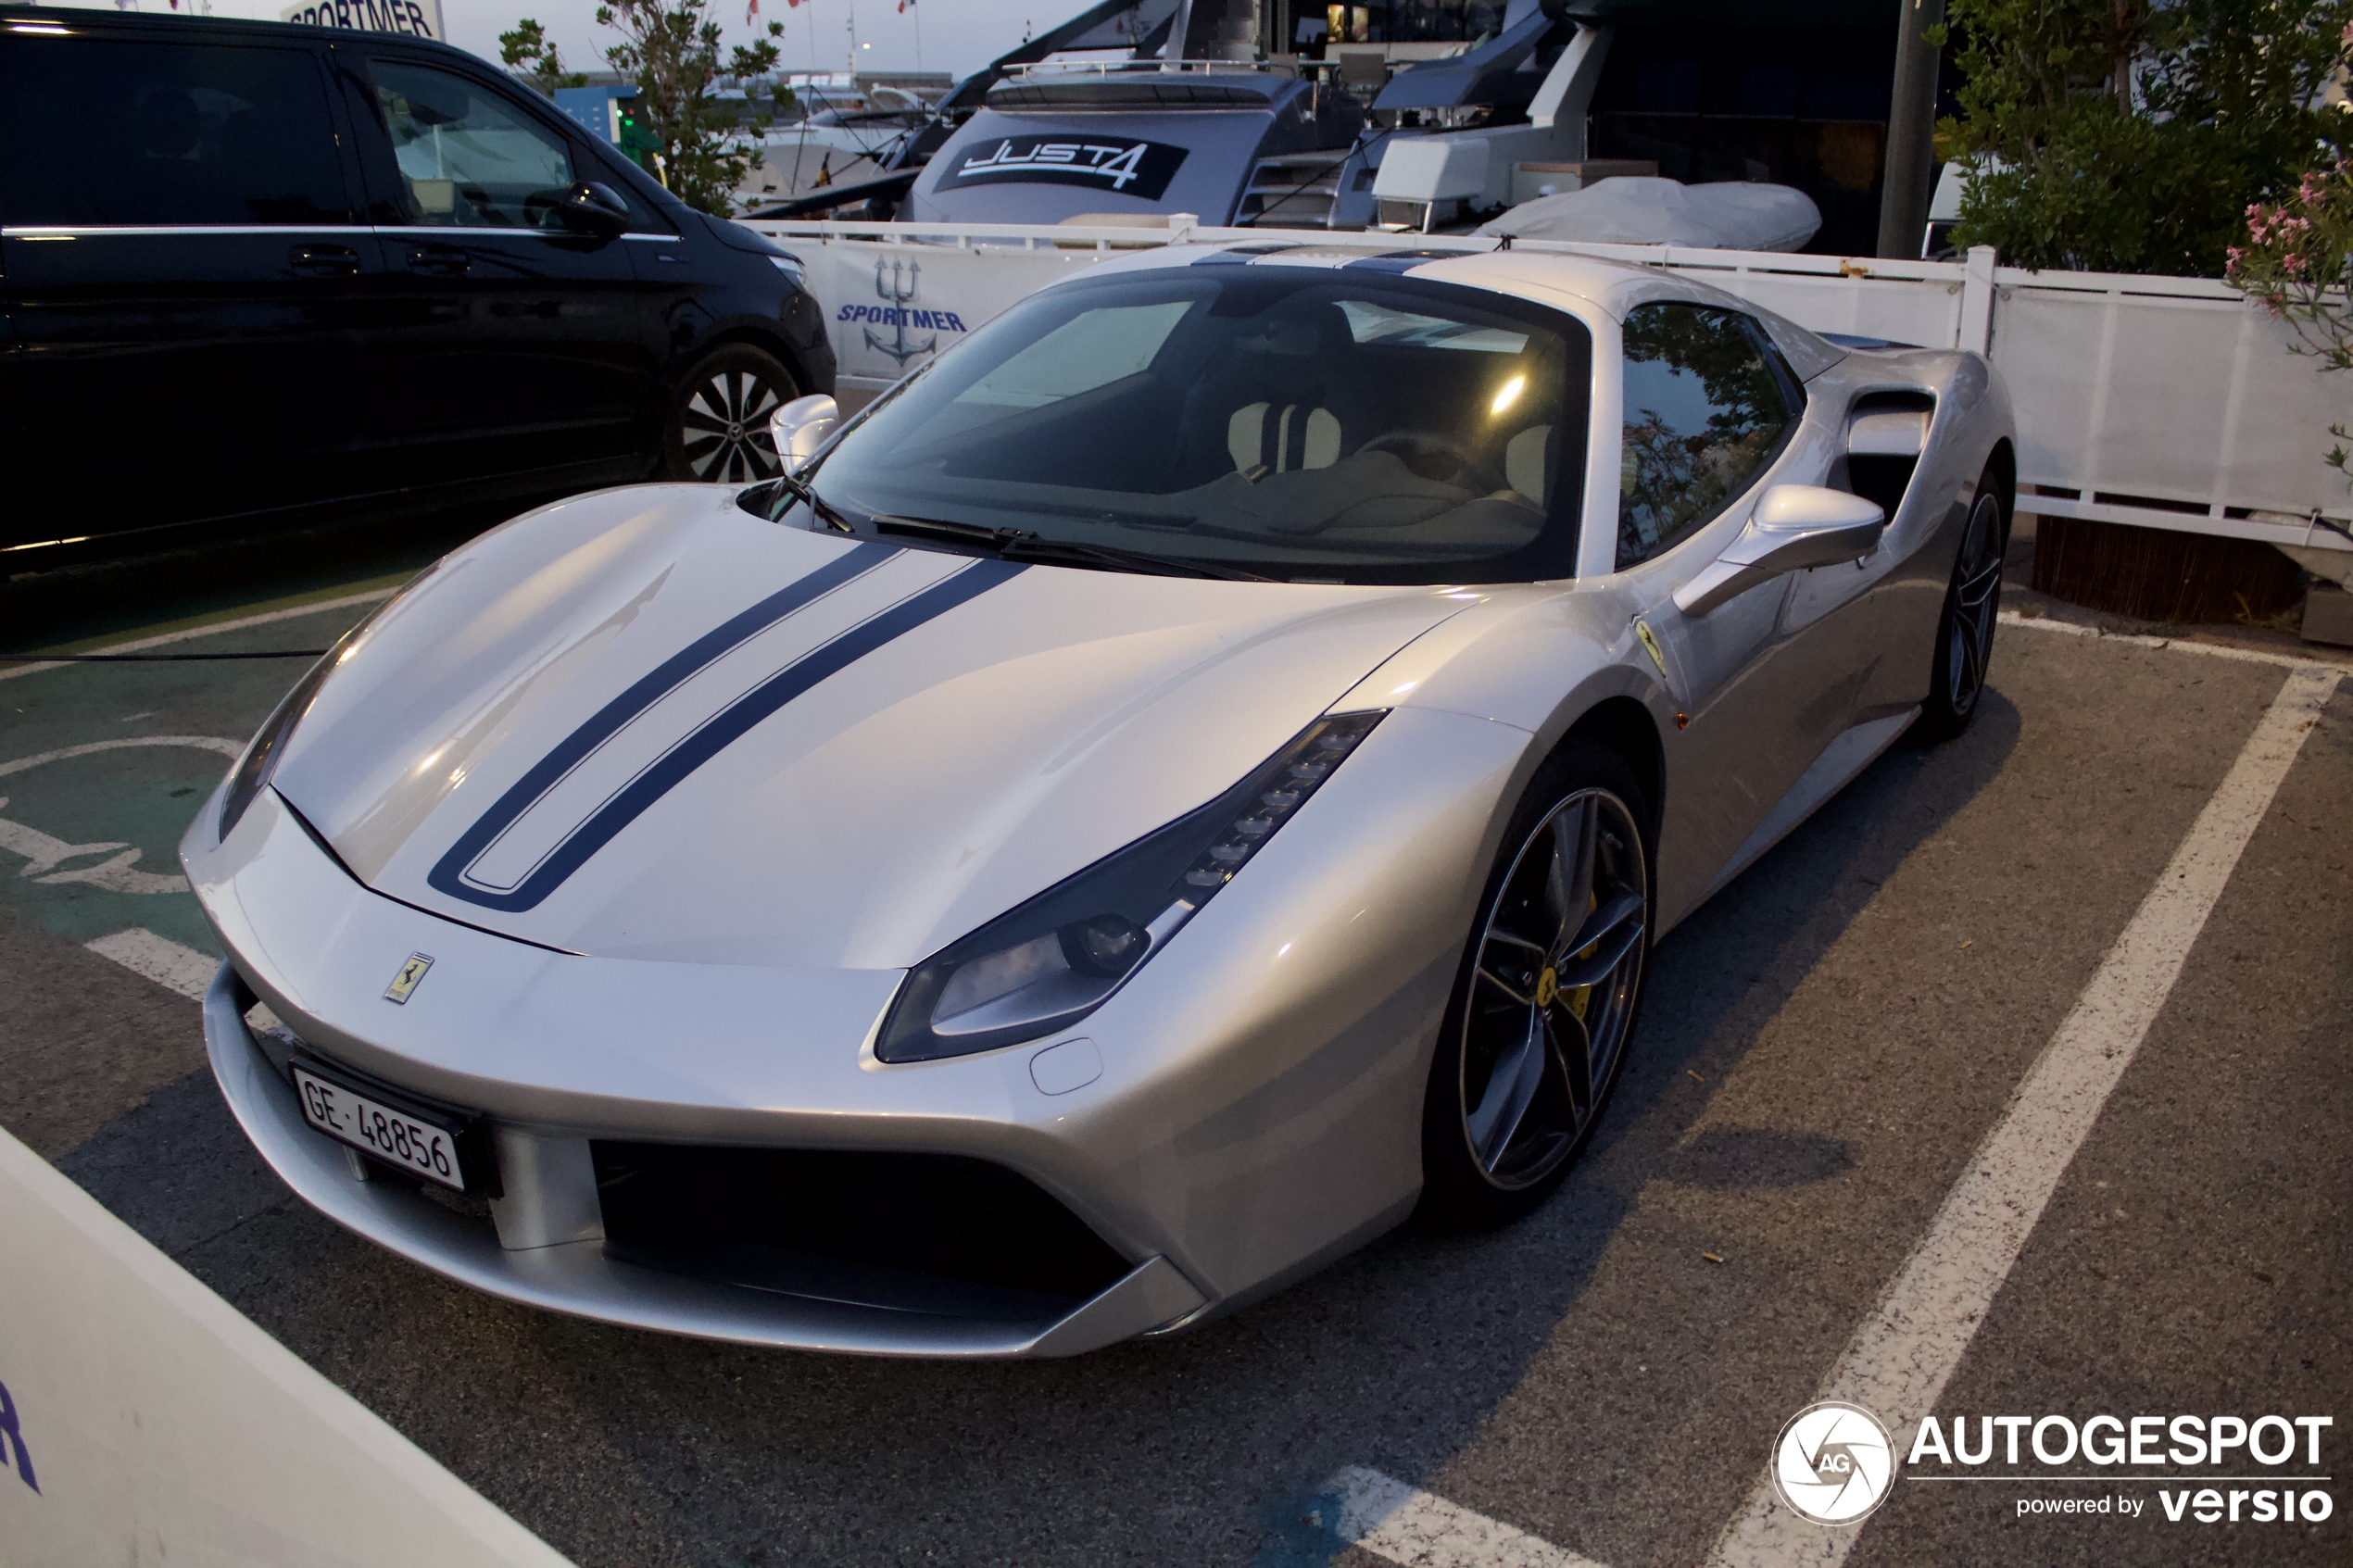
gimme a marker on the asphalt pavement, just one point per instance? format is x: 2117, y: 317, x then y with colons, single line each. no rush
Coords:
x: 1826, y: 1048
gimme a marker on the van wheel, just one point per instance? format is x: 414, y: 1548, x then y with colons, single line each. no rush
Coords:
x: 716, y: 428
x: 1546, y: 1001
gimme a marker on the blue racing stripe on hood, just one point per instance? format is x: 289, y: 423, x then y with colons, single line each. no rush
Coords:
x: 449, y: 874
x: 1403, y: 260
x: 1242, y: 256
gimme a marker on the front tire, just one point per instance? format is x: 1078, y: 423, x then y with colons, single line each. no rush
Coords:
x: 1547, y: 996
x: 1972, y: 610
x: 715, y: 428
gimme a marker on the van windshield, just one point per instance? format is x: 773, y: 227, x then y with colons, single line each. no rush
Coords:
x: 1304, y: 424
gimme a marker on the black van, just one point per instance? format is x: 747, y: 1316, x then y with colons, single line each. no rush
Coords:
x: 250, y: 269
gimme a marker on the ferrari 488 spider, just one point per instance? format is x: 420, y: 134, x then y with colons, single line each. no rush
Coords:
x: 1182, y: 780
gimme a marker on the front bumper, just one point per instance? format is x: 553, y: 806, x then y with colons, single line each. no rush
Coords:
x: 1255, y: 1110
x: 564, y: 1264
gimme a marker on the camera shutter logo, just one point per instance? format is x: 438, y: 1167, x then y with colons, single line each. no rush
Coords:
x: 1833, y: 1463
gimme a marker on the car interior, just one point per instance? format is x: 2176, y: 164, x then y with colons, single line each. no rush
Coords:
x: 1314, y: 420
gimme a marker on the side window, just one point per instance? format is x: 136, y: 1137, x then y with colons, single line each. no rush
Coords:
x: 1705, y: 410
x: 102, y: 132
x: 468, y: 158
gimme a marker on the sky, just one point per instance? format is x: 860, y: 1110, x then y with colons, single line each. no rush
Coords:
x: 957, y: 36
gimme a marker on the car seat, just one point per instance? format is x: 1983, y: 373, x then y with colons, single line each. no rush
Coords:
x: 1271, y: 404
x: 1527, y: 461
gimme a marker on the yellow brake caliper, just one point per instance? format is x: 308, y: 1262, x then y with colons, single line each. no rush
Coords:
x: 1582, y: 997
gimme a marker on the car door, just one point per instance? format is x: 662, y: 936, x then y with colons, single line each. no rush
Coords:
x: 187, y: 277
x: 508, y: 341
x: 1710, y: 415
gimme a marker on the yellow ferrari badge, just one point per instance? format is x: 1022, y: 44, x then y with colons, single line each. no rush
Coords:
x: 1547, y: 988
x: 405, y: 982
x: 1650, y: 645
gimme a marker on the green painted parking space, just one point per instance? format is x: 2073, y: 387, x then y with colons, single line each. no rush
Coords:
x: 103, y: 766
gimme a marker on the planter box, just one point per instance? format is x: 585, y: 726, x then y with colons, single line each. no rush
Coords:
x: 2328, y: 616
x: 2156, y: 574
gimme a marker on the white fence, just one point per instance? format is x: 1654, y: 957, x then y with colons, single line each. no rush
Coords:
x: 2163, y: 402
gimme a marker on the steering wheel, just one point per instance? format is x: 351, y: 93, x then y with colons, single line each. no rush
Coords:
x: 1434, y: 457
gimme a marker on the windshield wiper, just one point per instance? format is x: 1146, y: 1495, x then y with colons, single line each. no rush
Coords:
x: 806, y: 494
x: 956, y: 532
x: 1015, y: 544
x: 1026, y: 544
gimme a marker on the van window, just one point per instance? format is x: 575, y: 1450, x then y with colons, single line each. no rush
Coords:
x: 468, y: 158
x: 101, y: 133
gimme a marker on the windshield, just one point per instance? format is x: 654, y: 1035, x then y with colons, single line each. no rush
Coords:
x: 1306, y: 425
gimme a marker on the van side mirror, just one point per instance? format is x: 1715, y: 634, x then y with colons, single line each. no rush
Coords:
x: 592, y: 208
x: 1794, y: 527
x: 800, y: 427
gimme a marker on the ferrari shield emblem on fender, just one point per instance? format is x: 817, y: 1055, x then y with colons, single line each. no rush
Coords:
x: 1650, y: 645
x: 405, y: 981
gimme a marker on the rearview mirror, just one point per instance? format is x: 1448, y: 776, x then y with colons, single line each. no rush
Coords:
x: 590, y: 208
x: 1794, y: 527
x: 800, y: 427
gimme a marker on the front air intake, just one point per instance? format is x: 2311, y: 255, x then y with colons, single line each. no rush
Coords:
x: 941, y: 1234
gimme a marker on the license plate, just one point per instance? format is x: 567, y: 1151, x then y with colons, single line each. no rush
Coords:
x: 420, y: 1143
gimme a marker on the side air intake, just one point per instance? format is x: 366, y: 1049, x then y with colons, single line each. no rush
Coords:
x: 1886, y: 431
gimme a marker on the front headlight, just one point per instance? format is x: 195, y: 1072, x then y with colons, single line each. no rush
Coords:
x: 791, y: 267
x: 1059, y: 957
x: 253, y: 769
x: 261, y: 755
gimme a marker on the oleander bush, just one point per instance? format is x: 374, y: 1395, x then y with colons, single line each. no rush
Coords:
x: 2296, y: 256
x: 2133, y: 135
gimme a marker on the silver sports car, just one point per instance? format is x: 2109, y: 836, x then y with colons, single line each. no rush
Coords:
x: 1184, y: 781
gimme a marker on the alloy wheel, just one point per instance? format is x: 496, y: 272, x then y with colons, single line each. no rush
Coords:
x: 726, y: 428
x: 1977, y: 602
x: 1559, y: 968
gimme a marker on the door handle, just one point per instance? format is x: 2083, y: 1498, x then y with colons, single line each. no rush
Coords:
x: 325, y: 261
x: 440, y: 261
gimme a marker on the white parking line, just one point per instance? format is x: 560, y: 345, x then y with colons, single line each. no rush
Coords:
x: 143, y: 644
x: 2174, y: 645
x: 169, y: 965
x: 1898, y: 1363
x: 1393, y: 1521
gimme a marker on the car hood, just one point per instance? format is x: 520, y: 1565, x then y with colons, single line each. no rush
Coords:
x: 645, y: 723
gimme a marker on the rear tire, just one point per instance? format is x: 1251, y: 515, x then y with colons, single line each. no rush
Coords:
x: 715, y: 428
x: 1547, y: 996
x: 1972, y: 611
